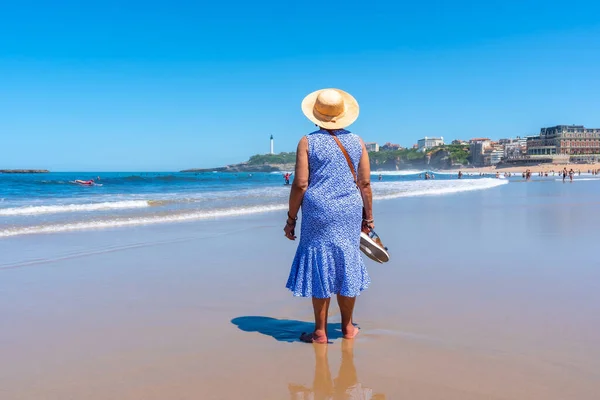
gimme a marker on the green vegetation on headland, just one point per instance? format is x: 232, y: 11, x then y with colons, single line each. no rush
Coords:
x: 257, y: 163
x: 389, y: 157
x: 281, y: 158
x: 440, y: 157
x: 24, y: 171
x: 457, y: 153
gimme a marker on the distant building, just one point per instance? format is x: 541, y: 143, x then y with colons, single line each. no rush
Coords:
x: 459, y: 142
x: 575, y: 141
x: 478, y: 147
x: 476, y: 140
x: 429, y: 143
x: 390, y: 146
x: 496, y: 155
x: 372, y: 146
x: 514, y: 148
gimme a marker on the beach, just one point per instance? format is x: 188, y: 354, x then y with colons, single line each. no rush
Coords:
x: 584, y: 168
x: 491, y: 293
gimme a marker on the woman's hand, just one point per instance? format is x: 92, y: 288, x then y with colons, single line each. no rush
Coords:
x: 289, y: 228
x: 367, y: 225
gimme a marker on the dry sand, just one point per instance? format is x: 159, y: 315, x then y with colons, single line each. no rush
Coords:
x: 478, y: 302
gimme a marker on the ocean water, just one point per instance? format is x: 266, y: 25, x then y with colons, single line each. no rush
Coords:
x: 47, y: 203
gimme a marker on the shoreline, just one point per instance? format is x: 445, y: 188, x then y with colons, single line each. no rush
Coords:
x: 536, y: 168
x: 243, y: 167
x: 24, y: 171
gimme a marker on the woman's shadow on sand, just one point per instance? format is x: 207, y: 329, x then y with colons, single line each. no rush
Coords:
x: 283, y: 330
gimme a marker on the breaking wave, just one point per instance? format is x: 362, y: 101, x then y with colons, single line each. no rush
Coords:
x: 243, y: 205
x: 55, y: 209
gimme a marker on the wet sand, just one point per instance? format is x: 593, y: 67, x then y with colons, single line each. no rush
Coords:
x: 490, y: 295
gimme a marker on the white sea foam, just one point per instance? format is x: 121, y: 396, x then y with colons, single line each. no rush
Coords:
x: 132, y: 201
x: 382, y: 191
x: 63, y: 208
x: 392, y: 190
x: 400, y: 173
x: 150, y: 220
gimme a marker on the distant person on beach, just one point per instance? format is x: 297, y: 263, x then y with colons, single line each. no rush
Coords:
x: 380, y: 177
x: 328, y: 260
x: 564, y: 174
x: 287, y: 178
x: 571, y: 173
x: 460, y: 174
x: 426, y: 176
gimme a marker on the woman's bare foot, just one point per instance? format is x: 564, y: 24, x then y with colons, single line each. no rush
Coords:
x: 350, y: 332
x: 314, y: 337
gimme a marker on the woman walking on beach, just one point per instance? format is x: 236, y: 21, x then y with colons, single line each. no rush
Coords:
x: 328, y: 260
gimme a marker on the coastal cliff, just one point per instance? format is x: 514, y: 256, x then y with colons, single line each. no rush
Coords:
x: 442, y: 157
x: 245, y: 167
x: 24, y: 171
x: 438, y: 160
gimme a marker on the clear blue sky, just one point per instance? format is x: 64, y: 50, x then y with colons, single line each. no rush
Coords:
x: 169, y: 85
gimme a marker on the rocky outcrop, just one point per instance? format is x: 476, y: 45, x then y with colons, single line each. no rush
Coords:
x: 24, y: 171
x: 245, y: 167
x: 439, y: 160
x: 398, y: 165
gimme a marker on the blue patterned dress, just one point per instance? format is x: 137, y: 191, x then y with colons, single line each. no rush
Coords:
x: 328, y: 259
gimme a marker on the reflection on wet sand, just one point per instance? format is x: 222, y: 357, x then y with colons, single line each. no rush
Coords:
x: 345, y: 386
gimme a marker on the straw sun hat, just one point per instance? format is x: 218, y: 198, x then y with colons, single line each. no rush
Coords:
x: 330, y: 108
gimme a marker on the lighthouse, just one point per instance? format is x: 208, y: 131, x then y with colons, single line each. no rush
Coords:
x: 272, y: 147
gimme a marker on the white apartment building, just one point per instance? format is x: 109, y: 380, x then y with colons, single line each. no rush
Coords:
x: 429, y: 143
x: 496, y: 155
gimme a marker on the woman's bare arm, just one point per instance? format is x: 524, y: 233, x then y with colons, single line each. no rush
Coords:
x: 300, y: 183
x: 364, y: 182
x: 299, y: 187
